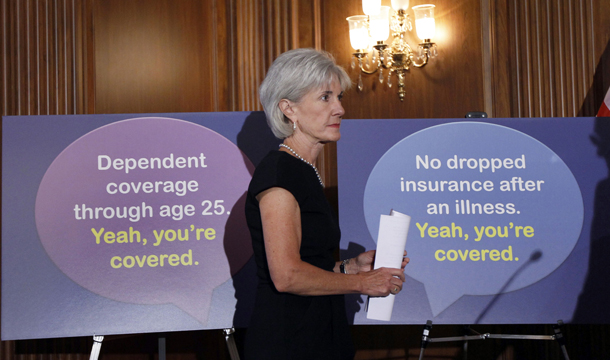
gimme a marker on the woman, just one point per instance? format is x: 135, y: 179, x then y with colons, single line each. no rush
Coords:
x: 299, y: 311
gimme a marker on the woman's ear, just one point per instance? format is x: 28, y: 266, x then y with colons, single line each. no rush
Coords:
x: 286, y: 108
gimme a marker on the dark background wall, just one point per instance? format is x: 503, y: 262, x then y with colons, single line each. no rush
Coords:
x: 531, y: 58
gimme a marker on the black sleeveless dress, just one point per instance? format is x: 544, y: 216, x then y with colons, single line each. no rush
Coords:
x: 286, y: 326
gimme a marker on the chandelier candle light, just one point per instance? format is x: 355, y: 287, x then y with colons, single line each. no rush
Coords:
x: 374, y: 27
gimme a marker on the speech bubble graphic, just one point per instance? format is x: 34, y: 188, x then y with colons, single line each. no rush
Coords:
x: 493, y: 210
x: 147, y: 211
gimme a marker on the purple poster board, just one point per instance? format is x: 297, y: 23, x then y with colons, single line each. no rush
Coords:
x: 106, y: 219
x: 118, y: 224
x: 508, y: 216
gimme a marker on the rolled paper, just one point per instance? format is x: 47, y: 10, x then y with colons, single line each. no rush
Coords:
x: 391, y: 241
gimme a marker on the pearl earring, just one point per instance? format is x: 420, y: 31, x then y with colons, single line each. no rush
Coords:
x: 294, y: 125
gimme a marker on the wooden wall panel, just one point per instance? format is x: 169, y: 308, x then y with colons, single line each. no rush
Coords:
x: 543, y: 56
x: 263, y: 32
x: 191, y: 55
x: 601, y: 51
x: 307, y: 30
x: 44, y: 46
x: 159, y: 56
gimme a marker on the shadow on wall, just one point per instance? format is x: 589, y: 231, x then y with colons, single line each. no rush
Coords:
x: 255, y: 140
x: 592, y: 305
x: 353, y: 302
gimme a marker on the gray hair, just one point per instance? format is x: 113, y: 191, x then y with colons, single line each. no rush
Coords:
x: 292, y: 75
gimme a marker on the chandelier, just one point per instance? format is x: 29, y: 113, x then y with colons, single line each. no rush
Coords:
x: 369, y: 33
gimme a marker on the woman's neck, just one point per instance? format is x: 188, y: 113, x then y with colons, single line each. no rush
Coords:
x: 306, y: 150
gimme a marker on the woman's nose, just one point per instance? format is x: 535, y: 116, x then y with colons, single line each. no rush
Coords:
x: 339, y: 110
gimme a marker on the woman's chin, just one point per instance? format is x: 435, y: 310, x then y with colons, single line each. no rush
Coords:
x: 334, y: 136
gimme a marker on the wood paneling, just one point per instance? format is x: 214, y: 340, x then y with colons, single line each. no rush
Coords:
x: 601, y: 51
x: 191, y: 55
x: 263, y: 31
x: 44, y: 63
x: 160, y: 56
x: 544, y: 56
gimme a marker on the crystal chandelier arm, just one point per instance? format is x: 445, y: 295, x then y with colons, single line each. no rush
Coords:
x: 423, y: 63
x: 429, y: 50
x: 382, y: 54
x: 360, y: 56
x: 368, y: 72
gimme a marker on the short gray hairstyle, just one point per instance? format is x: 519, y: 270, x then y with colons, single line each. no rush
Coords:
x: 292, y: 75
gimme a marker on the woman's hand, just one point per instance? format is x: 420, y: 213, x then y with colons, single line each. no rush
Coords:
x: 405, y: 260
x: 364, y: 262
x: 382, y: 282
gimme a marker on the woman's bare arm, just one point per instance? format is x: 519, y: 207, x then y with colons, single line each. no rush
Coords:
x: 281, y: 220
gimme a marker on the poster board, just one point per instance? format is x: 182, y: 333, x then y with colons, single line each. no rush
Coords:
x: 64, y: 177
x: 117, y: 224
x: 507, y: 216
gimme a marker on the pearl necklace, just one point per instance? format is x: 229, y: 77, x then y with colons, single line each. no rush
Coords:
x: 305, y: 161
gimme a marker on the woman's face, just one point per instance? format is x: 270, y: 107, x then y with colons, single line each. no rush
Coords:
x: 318, y: 114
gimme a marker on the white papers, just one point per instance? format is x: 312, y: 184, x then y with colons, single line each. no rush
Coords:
x: 391, y: 243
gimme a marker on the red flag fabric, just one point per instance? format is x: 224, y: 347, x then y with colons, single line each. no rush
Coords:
x: 604, y: 110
